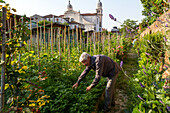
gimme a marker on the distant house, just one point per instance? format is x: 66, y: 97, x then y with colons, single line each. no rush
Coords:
x: 115, y: 30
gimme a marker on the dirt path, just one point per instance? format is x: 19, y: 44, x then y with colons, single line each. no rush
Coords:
x: 130, y: 65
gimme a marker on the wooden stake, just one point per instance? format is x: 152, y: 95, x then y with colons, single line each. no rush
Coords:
x: 73, y: 37
x: 94, y: 43
x: 54, y: 38
x: 98, y: 42
x: 77, y: 38
x: 59, y: 42
x: 38, y: 49
x: 44, y: 38
x: 87, y: 40
x: 109, y: 44
x: 69, y: 42
x: 90, y: 44
x: 65, y: 40
x: 80, y: 40
x: 2, y: 96
x: 51, y: 37
x: 40, y: 38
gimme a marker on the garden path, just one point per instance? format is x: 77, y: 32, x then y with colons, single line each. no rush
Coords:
x: 130, y: 65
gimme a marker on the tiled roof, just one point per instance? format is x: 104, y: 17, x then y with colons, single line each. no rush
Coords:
x: 49, y: 16
x: 61, y: 16
x: 89, y: 14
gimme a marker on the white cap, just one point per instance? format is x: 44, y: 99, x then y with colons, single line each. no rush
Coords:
x: 84, y: 56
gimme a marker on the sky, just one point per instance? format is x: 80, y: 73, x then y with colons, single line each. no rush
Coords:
x: 120, y: 9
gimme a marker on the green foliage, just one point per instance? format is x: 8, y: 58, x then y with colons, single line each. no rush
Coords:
x: 152, y: 10
x: 42, y: 22
x: 152, y: 44
x: 149, y: 94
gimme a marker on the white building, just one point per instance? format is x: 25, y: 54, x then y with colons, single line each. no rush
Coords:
x: 91, y: 21
x: 87, y: 21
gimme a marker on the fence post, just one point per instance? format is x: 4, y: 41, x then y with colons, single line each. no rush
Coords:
x: 2, y: 96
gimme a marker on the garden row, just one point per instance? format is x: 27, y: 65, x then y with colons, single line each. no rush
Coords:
x: 38, y: 79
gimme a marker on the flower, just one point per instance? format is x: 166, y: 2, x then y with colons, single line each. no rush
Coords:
x: 140, y: 111
x: 153, y: 13
x: 144, y: 67
x: 149, y: 14
x: 166, y: 25
x: 165, y: 39
x: 145, y: 73
x: 168, y: 108
x: 111, y: 17
x: 127, y: 30
x: 148, y: 27
x: 148, y: 41
x: 147, y: 53
x: 114, y: 19
x: 140, y: 97
x: 121, y: 64
x: 156, y: 25
x: 142, y: 85
x: 167, y: 20
x: 161, y: 101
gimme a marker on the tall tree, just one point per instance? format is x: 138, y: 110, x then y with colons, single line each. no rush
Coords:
x: 129, y: 27
x: 153, y: 9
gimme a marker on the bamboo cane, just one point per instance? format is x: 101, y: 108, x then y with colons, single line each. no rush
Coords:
x: 80, y: 40
x: 103, y: 42
x: 64, y: 40
x: 2, y: 96
x: 109, y: 44
x: 51, y: 37
x: 54, y: 38
x: 38, y: 49
x: 73, y: 37
x: 69, y: 42
x: 94, y: 43
x: 40, y: 39
x: 98, y: 42
x: 77, y: 38
x: 59, y: 43
x: 44, y: 38
x: 87, y: 41
x: 48, y: 40
x: 90, y: 44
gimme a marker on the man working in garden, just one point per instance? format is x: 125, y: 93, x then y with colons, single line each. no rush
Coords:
x: 104, y: 66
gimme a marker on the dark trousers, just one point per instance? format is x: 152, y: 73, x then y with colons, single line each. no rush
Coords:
x: 110, y: 91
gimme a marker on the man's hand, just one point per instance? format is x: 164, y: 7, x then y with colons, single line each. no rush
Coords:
x: 88, y: 88
x: 75, y: 85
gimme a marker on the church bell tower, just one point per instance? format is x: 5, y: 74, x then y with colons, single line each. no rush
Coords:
x: 99, y: 12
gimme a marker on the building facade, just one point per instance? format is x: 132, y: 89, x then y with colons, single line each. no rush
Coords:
x: 91, y: 21
x: 75, y: 19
